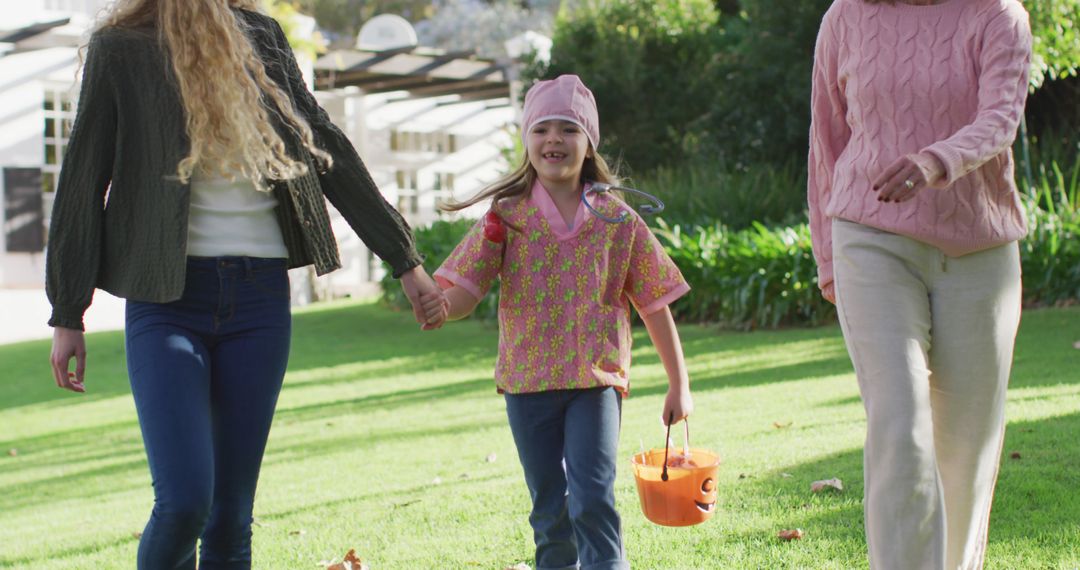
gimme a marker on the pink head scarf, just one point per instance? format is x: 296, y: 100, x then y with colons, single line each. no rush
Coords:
x: 564, y: 98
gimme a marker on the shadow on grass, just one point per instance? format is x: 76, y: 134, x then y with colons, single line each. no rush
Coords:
x: 1035, y: 498
x: 1036, y: 490
x: 28, y: 377
x: 332, y: 336
x: 371, y: 332
x: 385, y: 400
x: 352, y: 443
x: 62, y: 449
x: 72, y: 484
x: 407, y: 494
x: 59, y: 555
x: 323, y: 338
x: 806, y: 370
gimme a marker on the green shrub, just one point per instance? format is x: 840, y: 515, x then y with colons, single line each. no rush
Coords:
x: 754, y: 278
x: 1050, y: 254
x: 702, y: 193
x: 764, y: 277
x: 1055, y: 27
x: 651, y: 65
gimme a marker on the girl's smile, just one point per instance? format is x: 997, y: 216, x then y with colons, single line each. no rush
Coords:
x: 557, y: 149
x: 554, y: 156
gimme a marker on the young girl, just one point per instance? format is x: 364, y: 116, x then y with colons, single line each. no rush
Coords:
x: 568, y: 278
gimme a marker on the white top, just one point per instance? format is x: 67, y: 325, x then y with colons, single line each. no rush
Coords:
x: 231, y: 217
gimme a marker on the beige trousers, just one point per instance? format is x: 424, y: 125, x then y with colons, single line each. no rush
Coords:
x: 931, y: 338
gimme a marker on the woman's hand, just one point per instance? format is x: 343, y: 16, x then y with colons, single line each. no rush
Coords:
x: 829, y: 292
x: 906, y: 177
x: 68, y: 343
x: 678, y: 405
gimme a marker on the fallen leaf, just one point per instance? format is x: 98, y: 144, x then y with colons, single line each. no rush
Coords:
x: 436, y: 481
x: 300, y: 532
x: 518, y: 566
x: 779, y: 425
x: 1014, y: 455
x: 790, y: 534
x: 834, y: 483
x: 745, y: 476
x: 13, y: 452
x: 136, y: 534
x: 463, y: 476
x: 786, y: 475
x: 491, y: 457
x: 351, y: 562
x: 1076, y: 345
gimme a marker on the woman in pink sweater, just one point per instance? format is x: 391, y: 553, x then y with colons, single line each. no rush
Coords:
x: 915, y: 217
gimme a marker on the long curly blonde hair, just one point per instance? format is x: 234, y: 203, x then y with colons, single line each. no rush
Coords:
x: 224, y: 89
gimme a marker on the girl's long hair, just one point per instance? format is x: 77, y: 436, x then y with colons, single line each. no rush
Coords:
x: 520, y: 181
x: 223, y: 87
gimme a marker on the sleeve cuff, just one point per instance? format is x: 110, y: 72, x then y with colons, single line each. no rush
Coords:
x: 666, y: 300
x: 949, y: 159
x: 400, y: 266
x: 828, y: 291
x: 67, y: 320
x: 825, y: 275
x: 932, y: 167
x: 447, y: 279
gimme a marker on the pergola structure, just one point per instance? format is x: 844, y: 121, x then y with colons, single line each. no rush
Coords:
x: 419, y: 71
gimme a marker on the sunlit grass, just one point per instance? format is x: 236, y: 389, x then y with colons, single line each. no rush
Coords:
x: 382, y: 437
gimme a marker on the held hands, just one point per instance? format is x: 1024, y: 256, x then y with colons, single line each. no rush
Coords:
x: 429, y: 304
x: 678, y: 404
x: 906, y: 177
x: 68, y: 343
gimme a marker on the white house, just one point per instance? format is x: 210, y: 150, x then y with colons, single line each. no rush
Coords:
x: 429, y: 125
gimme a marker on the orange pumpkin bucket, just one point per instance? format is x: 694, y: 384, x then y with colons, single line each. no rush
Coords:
x: 684, y: 493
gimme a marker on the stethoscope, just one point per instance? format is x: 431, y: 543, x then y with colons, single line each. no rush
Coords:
x: 655, y: 207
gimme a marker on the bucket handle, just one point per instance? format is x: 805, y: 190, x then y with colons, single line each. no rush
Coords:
x: 667, y: 441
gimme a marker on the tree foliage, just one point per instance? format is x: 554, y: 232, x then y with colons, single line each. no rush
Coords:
x: 490, y: 25
x: 650, y: 64
x: 1055, y: 26
x: 730, y: 79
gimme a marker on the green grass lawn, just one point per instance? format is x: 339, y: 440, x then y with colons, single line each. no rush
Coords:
x: 383, y: 435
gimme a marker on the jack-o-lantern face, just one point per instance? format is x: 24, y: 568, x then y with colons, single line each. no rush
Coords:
x: 687, y: 496
x: 707, y: 502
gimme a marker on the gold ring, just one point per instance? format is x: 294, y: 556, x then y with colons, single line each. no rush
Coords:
x: 909, y: 184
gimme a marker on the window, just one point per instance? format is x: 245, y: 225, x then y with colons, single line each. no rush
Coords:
x: 59, y: 118
x: 439, y: 142
x: 444, y: 184
x: 408, y: 201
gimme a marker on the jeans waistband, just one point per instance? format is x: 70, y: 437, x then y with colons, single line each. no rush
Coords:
x: 236, y: 264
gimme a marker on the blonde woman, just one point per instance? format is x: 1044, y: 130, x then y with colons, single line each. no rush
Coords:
x: 915, y: 219
x: 195, y: 177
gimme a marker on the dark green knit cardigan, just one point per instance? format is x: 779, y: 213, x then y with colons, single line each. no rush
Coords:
x: 119, y: 221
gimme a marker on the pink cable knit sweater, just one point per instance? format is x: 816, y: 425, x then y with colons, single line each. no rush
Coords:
x: 945, y: 81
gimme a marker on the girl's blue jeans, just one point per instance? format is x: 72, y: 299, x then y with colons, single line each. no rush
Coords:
x: 567, y: 441
x: 205, y: 373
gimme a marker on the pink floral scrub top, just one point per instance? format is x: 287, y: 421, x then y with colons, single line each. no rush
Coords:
x: 564, y: 306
